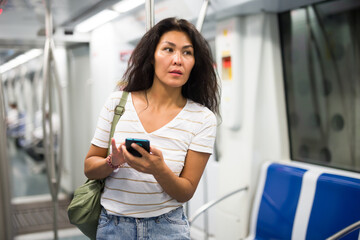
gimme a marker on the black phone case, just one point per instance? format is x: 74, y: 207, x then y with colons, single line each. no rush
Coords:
x: 141, y: 142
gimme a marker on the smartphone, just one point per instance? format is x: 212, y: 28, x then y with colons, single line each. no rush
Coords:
x: 144, y: 143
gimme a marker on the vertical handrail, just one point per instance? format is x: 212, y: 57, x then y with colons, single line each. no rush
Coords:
x: 53, y: 159
x: 6, y: 228
x: 199, y: 26
x: 60, y: 136
x: 150, y: 17
x: 202, y: 14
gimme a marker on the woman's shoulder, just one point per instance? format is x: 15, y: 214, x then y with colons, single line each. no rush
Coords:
x: 202, y: 110
x: 197, y: 106
x: 115, y: 96
x: 113, y: 99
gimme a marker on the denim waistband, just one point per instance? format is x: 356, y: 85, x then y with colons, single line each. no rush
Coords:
x: 118, y: 219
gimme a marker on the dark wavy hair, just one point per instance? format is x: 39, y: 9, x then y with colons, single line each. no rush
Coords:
x: 202, y: 86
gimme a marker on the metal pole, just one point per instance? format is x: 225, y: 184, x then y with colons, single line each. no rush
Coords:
x: 201, y: 18
x: 206, y: 199
x: 60, y: 141
x: 343, y: 232
x: 47, y: 137
x: 207, y: 206
x: 199, y: 25
x: 6, y: 228
x: 150, y: 18
x: 53, y: 160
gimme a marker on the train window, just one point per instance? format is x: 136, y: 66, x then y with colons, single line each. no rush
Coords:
x: 321, y: 58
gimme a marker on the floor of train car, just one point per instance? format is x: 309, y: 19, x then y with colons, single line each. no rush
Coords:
x: 32, y: 205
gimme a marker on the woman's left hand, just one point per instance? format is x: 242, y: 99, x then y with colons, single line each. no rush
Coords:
x: 151, y: 163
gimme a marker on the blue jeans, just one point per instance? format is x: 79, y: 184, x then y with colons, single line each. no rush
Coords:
x: 172, y: 225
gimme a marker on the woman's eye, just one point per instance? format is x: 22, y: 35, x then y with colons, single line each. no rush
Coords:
x: 168, y: 49
x: 188, y: 53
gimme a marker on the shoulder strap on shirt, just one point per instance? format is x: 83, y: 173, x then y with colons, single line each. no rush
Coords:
x: 118, y: 112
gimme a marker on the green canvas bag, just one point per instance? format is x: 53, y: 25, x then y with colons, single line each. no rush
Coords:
x: 84, y: 209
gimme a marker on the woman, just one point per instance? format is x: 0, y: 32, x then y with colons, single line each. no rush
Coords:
x: 173, y: 99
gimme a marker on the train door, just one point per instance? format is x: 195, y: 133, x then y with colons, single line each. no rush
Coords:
x: 25, y: 194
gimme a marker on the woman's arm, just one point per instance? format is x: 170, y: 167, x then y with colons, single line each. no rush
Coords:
x: 181, y: 188
x: 96, y: 167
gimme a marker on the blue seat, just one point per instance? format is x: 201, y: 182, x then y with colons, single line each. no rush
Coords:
x: 302, y: 201
x: 336, y: 205
x: 279, y: 202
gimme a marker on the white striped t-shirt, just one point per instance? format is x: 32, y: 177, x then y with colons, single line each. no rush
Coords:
x: 128, y: 192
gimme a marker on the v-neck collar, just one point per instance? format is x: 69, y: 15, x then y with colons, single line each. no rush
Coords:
x: 162, y: 127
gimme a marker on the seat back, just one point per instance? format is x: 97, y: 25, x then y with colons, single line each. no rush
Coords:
x: 303, y: 201
x: 336, y: 205
x: 276, y: 201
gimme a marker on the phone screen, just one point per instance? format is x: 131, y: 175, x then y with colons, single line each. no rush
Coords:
x: 144, y: 143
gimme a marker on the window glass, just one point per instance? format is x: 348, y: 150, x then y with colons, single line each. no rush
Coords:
x: 321, y: 58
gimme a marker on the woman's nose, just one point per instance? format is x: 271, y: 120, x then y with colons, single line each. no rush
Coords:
x: 177, y: 58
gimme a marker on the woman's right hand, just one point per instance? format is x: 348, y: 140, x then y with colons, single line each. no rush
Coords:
x: 117, y: 153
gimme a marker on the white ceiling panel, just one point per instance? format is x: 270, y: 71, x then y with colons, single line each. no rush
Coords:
x: 22, y: 22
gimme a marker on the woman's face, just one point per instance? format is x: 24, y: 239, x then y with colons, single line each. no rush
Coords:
x: 174, y: 59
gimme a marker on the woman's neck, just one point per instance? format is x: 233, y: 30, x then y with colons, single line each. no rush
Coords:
x: 159, y: 96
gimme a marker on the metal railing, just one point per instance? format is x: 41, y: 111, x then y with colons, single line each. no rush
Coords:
x: 6, y: 229
x: 342, y: 233
x: 150, y: 17
x: 210, y: 204
x: 53, y: 159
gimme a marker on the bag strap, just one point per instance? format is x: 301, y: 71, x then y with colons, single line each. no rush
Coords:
x: 118, y: 112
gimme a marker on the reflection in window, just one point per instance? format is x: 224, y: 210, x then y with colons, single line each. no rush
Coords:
x: 321, y: 57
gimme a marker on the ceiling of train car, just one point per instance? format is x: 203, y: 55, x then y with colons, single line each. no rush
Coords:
x: 25, y: 16
x: 22, y: 22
